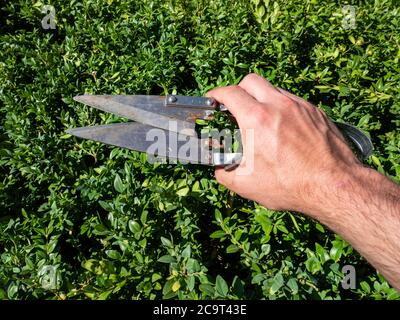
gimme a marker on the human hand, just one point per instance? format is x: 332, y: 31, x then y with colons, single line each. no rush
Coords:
x: 297, y: 154
x: 298, y: 160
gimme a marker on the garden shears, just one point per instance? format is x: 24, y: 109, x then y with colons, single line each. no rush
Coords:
x: 174, y: 118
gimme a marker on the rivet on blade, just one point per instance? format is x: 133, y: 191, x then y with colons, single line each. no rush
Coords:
x: 210, y: 102
x: 172, y: 99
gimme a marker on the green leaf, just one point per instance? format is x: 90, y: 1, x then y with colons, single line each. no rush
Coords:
x: 376, y: 161
x: 232, y: 248
x: 266, y: 249
x: 365, y: 286
x: 193, y: 266
x: 166, y: 242
x: 168, y: 286
x: 258, y: 278
x: 336, y: 250
x: 196, y: 187
x: 155, y: 277
x: 115, y: 75
x: 167, y: 259
x: 277, y: 283
x: 113, y: 254
x: 90, y: 292
x: 201, y: 122
x: 187, y: 252
x: 191, y: 281
x: 292, y: 284
x: 313, y: 265
x: 176, y: 286
x: 183, y: 192
x: 207, y: 289
x: 91, y: 265
x: 12, y: 291
x: 3, y: 294
x: 105, y: 205
x: 218, y: 234
x: 321, y: 253
x: 170, y: 295
x: 100, y: 229
x: 143, y: 217
x: 237, y: 287
x: 118, y: 184
x: 221, y: 287
x: 134, y: 226
x: 320, y: 228
x: 218, y: 216
x: 104, y: 295
x: 265, y: 222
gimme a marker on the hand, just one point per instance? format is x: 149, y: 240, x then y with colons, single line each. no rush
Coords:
x: 297, y: 152
x: 298, y: 160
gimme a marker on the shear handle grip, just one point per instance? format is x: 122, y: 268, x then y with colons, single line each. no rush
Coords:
x: 358, y: 139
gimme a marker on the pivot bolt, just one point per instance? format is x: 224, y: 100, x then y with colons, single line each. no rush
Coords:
x: 210, y: 102
x: 172, y: 99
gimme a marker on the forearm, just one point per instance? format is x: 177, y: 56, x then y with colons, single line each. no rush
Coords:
x: 363, y: 207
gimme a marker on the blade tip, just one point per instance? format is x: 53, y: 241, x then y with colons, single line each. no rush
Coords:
x: 70, y: 131
x: 77, y: 132
x: 79, y: 98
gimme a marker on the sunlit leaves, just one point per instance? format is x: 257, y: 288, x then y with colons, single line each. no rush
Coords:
x: 119, y: 227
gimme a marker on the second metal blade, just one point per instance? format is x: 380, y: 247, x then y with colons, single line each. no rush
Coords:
x: 156, y: 142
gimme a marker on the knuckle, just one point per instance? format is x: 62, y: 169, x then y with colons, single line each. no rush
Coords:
x: 287, y: 102
x: 233, y: 88
x: 214, y: 93
x: 250, y: 77
x: 221, y: 91
x: 322, y: 113
x: 260, y: 116
x: 210, y: 93
x: 224, y: 91
x: 308, y: 105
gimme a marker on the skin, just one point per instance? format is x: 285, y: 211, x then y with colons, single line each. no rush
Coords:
x: 301, y: 162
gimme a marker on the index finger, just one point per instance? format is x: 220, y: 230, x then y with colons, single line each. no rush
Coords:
x: 235, y: 98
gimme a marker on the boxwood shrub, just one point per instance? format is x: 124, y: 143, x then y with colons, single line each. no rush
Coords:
x: 82, y: 220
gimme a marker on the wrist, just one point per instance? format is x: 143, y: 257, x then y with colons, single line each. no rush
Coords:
x: 337, y: 191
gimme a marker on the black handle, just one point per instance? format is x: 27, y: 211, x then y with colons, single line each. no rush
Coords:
x: 357, y: 138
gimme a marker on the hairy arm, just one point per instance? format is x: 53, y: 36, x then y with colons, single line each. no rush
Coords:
x: 364, y: 208
x: 296, y: 159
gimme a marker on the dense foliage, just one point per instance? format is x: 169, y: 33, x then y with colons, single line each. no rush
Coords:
x: 108, y: 224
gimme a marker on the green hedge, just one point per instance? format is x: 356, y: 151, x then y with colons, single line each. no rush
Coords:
x: 110, y: 225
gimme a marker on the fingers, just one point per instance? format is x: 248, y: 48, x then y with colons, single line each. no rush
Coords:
x: 259, y: 88
x: 235, y: 98
x: 226, y: 178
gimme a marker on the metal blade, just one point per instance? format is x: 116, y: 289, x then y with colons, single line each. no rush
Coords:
x: 149, y: 110
x: 156, y: 142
